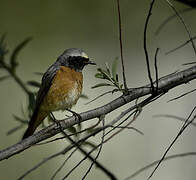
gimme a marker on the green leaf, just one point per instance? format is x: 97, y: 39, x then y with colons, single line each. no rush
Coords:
x: 21, y: 120
x: 107, y: 69
x: 34, y: 84
x: 104, y: 73
x: 101, y: 85
x: 2, y: 42
x: 39, y: 73
x: 114, y: 68
x: 3, y: 49
x: 117, y: 78
x: 31, y: 102
x: 13, y: 130
x: 16, y: 51
x: 4, y: 77
x: 99, y: 75
x: 2, y: 39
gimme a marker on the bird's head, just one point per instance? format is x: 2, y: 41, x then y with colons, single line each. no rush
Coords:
x: 74, y: 58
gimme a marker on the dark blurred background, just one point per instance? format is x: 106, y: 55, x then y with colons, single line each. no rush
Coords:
x: 93, y: 26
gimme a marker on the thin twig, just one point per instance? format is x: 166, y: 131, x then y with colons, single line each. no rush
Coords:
x: 121, y: 47
x: 178, y: 97
x: 108, y: 92
x: 102, y: 140
x: 136, y: 114
x: 99, y: 165
x: 63, y: 164
x: 156, y: 69
x: 189, y: 63
x: 145, y: 44
x: 126, y: 127
x: 170, y: 18
x: 155, y: 162
x: 73, y: 134
x: 39, y: 164
x: 96, y: 147
x: 174, y: 117
x: 68, y: 148
x: 180, y: 46
x: 138, y: 108
x: 184, y: 24
x: 185, y: 125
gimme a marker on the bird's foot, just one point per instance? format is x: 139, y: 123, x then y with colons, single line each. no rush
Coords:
x: 76, y: 115
x: 55, y: 120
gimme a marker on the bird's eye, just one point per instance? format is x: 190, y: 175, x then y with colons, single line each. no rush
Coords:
x: 85, y: 60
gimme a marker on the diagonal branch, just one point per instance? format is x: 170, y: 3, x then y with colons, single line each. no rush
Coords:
x: 164, y: 84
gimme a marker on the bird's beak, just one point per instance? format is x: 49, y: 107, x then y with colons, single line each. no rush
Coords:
x: 91, y: 62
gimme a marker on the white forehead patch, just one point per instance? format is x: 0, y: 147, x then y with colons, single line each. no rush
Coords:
x: 83, y: 54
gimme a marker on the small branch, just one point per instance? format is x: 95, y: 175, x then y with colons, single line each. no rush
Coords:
x: 136, y: 114
x: 165, y: 84
x: 127, y: 127
x: 155, y: 162
x: 102, y: 118
x: 107, y: 172
x: 145, y: 44
x: 105, y: 93
x: 68, y: 148
x: 63, y: 164
x: 180, y: 46
x: 170, y: 18
x: 184, y: 24
x: 175, y: 118
x: 185, y: 125
x: 182, y: 95
x: 121, y: 48
x: 72, y: 134
x: 156, y: 69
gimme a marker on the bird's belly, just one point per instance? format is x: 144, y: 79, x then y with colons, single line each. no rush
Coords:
x: 61, y: 99
x: 68, y: 99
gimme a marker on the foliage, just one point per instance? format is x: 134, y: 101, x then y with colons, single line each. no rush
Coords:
x: 109, y: 74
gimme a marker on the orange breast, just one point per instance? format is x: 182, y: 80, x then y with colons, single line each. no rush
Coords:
x: 65, y: 90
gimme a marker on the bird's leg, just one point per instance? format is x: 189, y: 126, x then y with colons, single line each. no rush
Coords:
x: 76, y: 115
x: 55, y: 120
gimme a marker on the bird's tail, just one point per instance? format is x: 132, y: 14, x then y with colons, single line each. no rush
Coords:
x: 36, y: 119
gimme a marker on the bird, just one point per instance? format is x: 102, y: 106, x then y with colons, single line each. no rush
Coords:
x: 61, y: 86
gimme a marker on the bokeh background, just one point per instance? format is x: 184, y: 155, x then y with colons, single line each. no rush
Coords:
x: 93, y: 26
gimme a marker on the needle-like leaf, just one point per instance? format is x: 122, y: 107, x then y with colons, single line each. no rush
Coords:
x: 114, y: 68
x: 101, y: 85
x: 34, y: 83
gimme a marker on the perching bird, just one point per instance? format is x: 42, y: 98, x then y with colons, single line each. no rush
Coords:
x: 61, y: 86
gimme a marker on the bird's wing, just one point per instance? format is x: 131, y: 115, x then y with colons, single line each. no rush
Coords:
x: 46, y: 83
